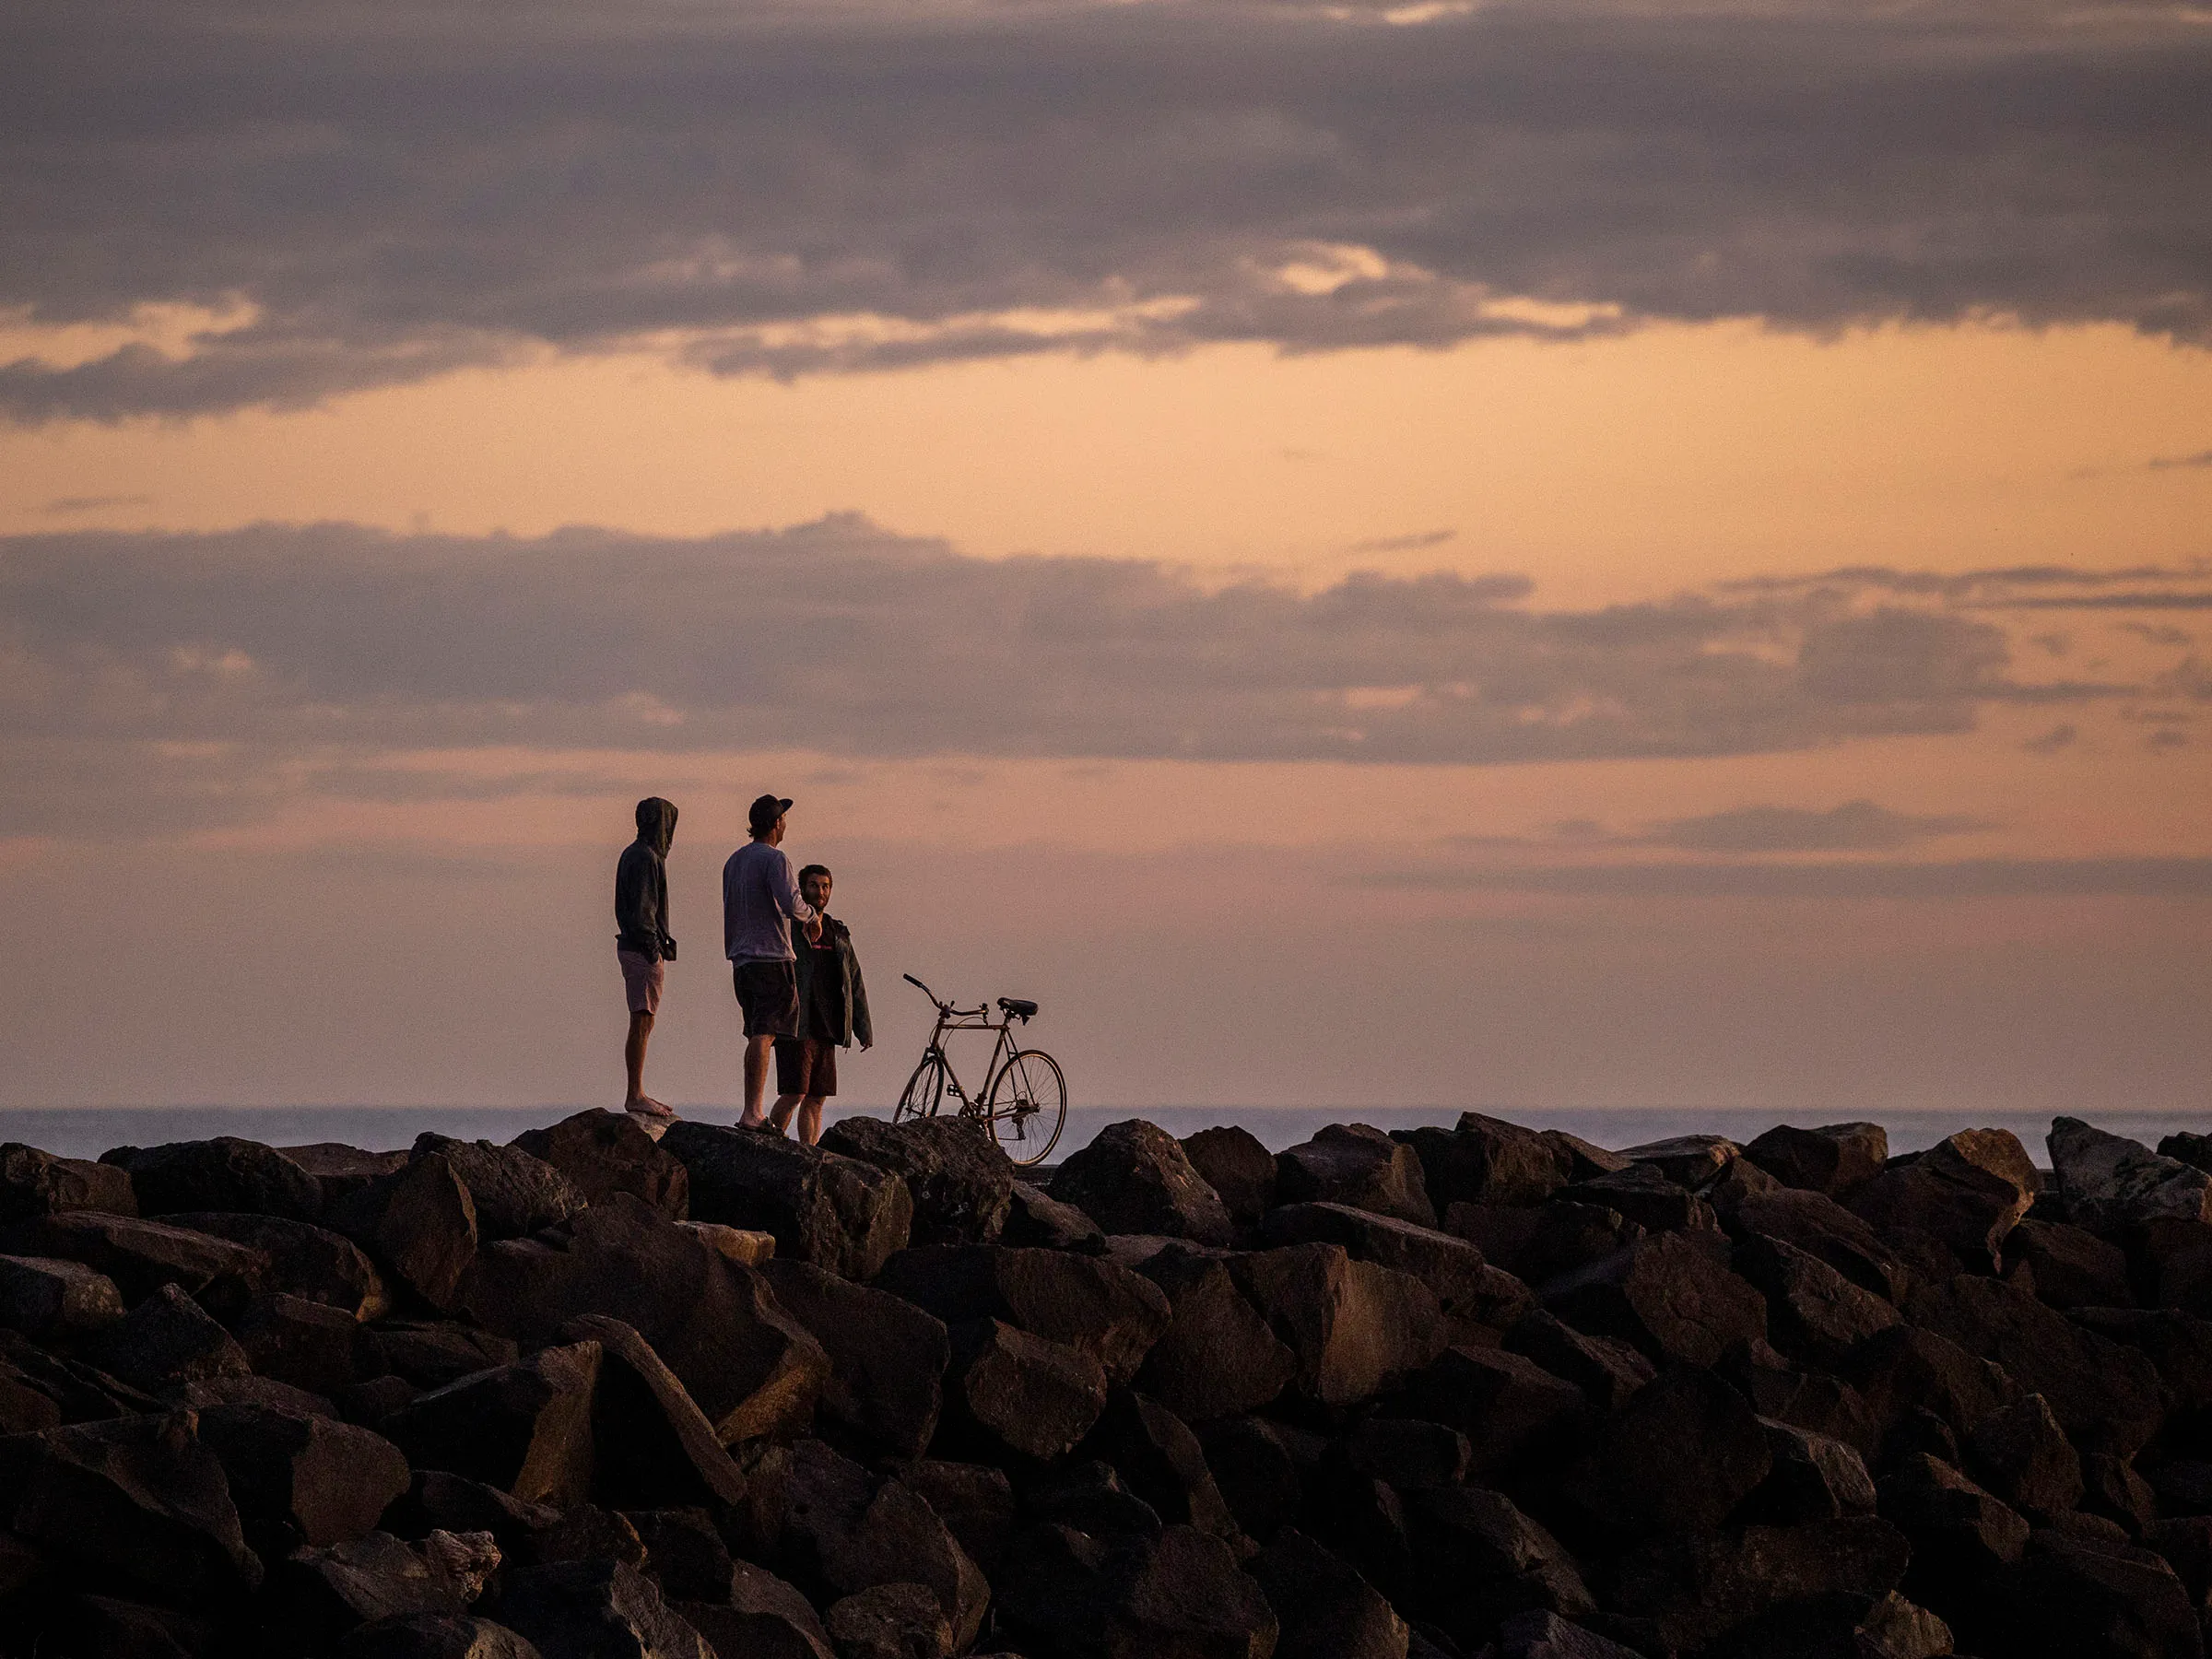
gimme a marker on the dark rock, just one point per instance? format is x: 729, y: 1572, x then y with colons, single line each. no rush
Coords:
x: 267, y: 1392
x: 420, y: 1224
x: 1813, y: 1313
x: 1412, y: 1454
x: 1688, y: 1161
x: 1510, y: 1409
x: 2021, y: 1455
x: 595, y: 1610
x: 1905, y: 1368
x: 100, y: 1627
x: 1326, y: 1608
x: 900, y: 1540
x: 1644, y: 1195
x: 1832, y: 1160
x: 1241, y: 1170
x: 2071, y: 1601
x: 438, y: 1500
x: 306, y: 1344
x: 318, y: 1594
x: 1357, y: 1165
x: 371, y: 1403
x: 1540, y: 1635
x: 974, y: 1500
x: 887, y: 1356
x: 834, y: 1212
x: 1218, y: 1357
x: 38, y: 1183
x: 51, y: 1300
x: 1036, y: 1218
x: 1671, y: 1295
x: 225, y: 1173
x: 1016, y: 1395
x: 655, y: 1447
x: 1546, y: 1241
x: 1676, y: 1459
x: 2178, y: 1343
x: 1486, y: 1160
x: 588, y: 1532
x: 603, y: 1153
x: 2183, y: 1486
x: 1480, y: 1560
x: 1161, y: 1462
x: 302, y: 1480
x: 1256, y: 1471
x: 164, y: 1340
x: 961, y: 1183
x: 1182, y: 1595
x: 1821, y: 1227
x: 2109, y: 1181
x: 138, y: 1503
x: 890, y: 1622
x: 763, y: 1618
x: 1814, y: 1477
x: 1966, y: 1192
x: 1735, y: 1185
x: 2107, y: 1397
x: 1838, y: 1626
x: 435, y: 1636
x: 1959, y: 1531
x: 1451, y: 1267
x: 305, y: 1260
x: 341, y: 1169
x: 2070, y: 1267
x: 1109, y: 1312
x: 80, y: 1393
x: 524, y: 1427
x: 25, y: 1408
x: 751, y: 1367
x: 2111, y: 1488
x: 1356, y: 1328
x: 1697, y: 1589
x: 1090, y: 1498
x: 515, y: 1193
x: 1606, y: 1369
x: 1578, y: 1159
x: 1135, y: 1178
x: 431, y: 1354
x: 824, y: 1497
x: 141, y: 1256
x: 2185, y: 1543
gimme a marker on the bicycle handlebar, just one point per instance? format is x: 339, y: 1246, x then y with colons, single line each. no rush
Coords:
x: 944, y: 1007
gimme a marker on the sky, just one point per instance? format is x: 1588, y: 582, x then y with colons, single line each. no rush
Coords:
x: 1517, y: 556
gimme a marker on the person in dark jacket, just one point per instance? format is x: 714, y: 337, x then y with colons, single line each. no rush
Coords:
x: 833, y: 1013
x: 643, y: 946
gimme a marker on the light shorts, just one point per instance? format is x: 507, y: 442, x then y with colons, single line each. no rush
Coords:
x: 642, y: 981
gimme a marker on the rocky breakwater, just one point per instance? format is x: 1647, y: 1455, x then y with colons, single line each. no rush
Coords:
x: 1475, y: 1390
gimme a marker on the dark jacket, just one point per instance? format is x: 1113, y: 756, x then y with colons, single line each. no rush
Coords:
x: 837, y: 936
x: 641, y: 884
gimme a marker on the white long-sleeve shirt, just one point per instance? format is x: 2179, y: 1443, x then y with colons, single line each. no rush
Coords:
x: 759, y: 902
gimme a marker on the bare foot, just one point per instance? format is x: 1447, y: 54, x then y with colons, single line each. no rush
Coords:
x: 645, y: 1106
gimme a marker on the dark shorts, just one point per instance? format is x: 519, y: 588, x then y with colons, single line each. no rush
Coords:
x: 767, y: 992
x: 805, y: 1065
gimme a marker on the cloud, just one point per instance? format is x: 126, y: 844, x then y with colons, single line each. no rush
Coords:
x: 1405, y: 543
x: 2177, y: 463
x: 1854, y: 826
x: 1968, y: 878
x: 93, y: 503
x: 2060, y: 736
x: 370, y: 195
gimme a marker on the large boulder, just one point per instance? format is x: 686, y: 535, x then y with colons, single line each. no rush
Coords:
x: 1606, y: 1369
x: 1452, y: 1267
x: 1109, y: 1311
x: 1479, y: 1559
x: 1066, y: 1594
x: 317, y: 1595
x: 1014, y: 1397
x: 1326, y: 1609
x: 38, y: 1183
x: 1231, y: 1161
x: 1541, y: 1241
x: 1537, y: 1634
x: 434, y: 1636
x: 1135, y: 1178
x: 1965, y: 1193
x: 1906, y: 1369
x: 962, y: 1184
x: 887, y: 1356
x: 515, y: 1193
x: 2072, y: 1599
x: 836, y: 1212
x: 652, y: 1445
x: 897, y: 1620
x: 763, y: 1617
x: 1821, y: 1227
x: 2022, y: 1456
x: 1355, y: 1327
x: 1672, y: 1295
x: 1832, y: 1160
x: 225, y: 1173
x: 420, y: 1223
x: 1815, y: 1478
x: 302, y: 1480
x: 1688, y: 1161
x: 1697, y: 1589
x: 1356, y: 1165
x: 1485, y: 1160
x: 1509, y: 1409
x: 2109, y: 1181
x: 305, y: 1345
x: 1959, y: 1531
x: 603, y: 1153
x: 138, y: 1504
x: 1036, y: 1218
x: 752, y: 1368
x: 524, y: 1427
x: 2068, y: 1266
x: 595, y: 1610
x: 1676, y: 1459
x: 51, y: 1300
x: 141, y: 1256
x: 165, y: 1340
x: 1219, y: 1357
x: 1813, y: 1313
x: 898, y: 1539
x: 304, y: 1259
x: 1160, y: 1461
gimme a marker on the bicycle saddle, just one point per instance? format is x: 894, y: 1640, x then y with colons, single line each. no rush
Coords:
x: 1020, y: 1007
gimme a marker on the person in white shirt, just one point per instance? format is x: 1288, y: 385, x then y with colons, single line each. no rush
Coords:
x: 759, y: 902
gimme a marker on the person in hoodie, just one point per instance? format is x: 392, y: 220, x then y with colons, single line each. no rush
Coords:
x: 642, y: 945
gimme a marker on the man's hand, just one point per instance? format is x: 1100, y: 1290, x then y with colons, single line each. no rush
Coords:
x: 814, y: 931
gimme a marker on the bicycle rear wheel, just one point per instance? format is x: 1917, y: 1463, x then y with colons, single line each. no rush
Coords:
x: 1026, y: 1106
x: 925, y: 1090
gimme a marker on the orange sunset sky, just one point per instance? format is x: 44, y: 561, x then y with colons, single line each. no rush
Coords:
x: 1530, y: 558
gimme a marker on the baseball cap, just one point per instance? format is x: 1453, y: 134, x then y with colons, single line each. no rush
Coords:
x: 766, y: 811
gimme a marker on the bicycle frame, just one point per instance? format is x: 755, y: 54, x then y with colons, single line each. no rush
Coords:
x: 950, y: 1019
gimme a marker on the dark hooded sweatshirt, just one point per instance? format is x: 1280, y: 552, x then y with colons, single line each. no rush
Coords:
x: 641, y: 884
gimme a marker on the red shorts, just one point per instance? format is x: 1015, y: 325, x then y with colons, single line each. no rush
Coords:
x: 805, y: 1065
x: 642, y: 981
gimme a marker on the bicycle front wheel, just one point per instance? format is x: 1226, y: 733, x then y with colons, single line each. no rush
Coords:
x: 925, y: 1090
x: 1026, y: 1105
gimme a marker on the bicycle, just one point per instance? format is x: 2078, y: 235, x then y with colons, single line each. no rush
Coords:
x: 1024, y: 1103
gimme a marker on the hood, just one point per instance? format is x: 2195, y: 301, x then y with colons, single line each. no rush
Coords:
x: 656, y: 823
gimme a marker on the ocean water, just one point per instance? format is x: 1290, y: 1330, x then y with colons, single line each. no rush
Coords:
x: 86, y: 1132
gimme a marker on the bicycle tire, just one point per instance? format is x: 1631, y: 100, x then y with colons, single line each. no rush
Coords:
x: 924, y: 1091
x: 1026, y: 1106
